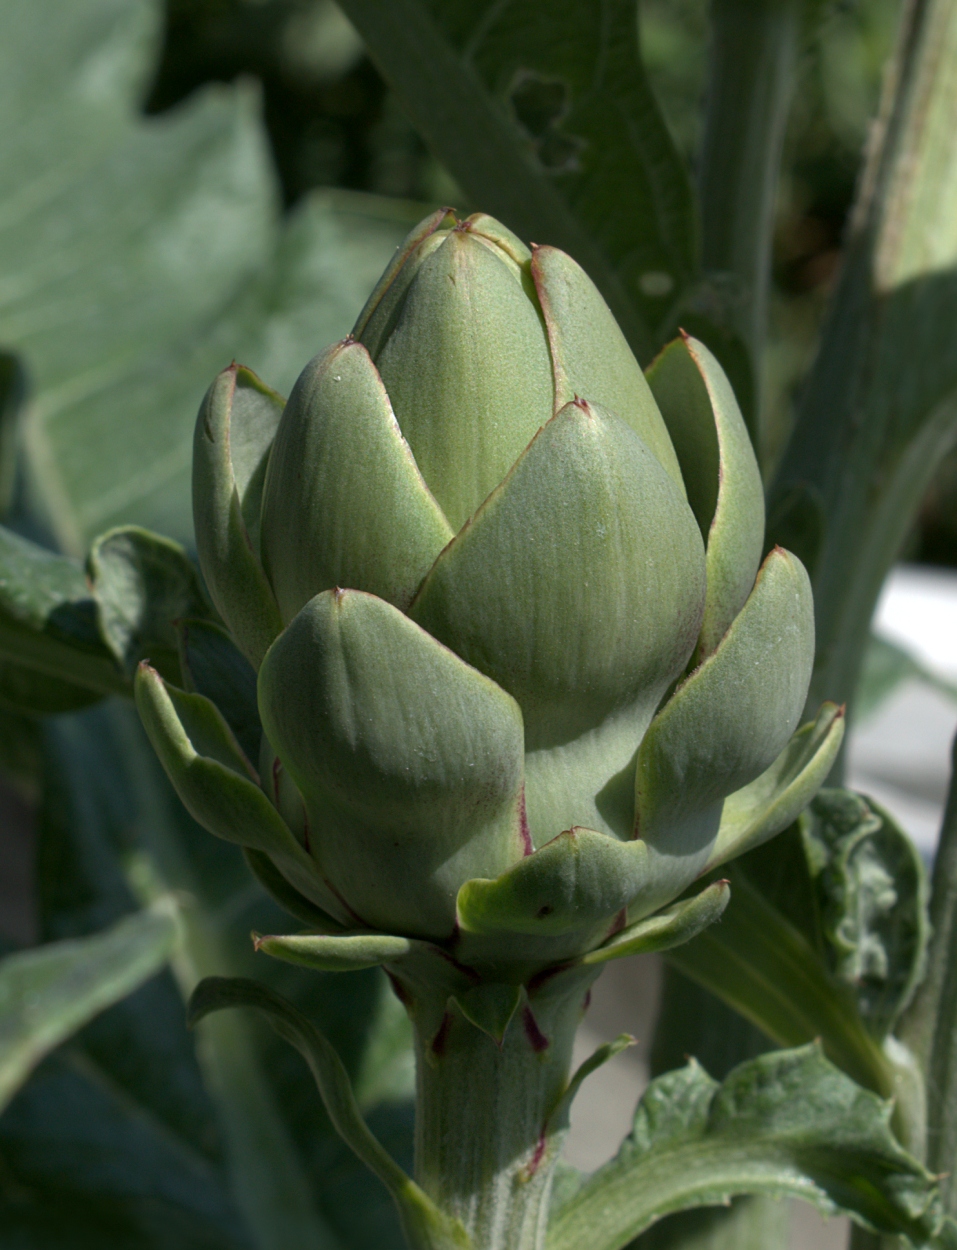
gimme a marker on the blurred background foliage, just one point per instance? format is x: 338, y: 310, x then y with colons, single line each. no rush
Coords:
x: 116, y: 348
x: 332, y: 122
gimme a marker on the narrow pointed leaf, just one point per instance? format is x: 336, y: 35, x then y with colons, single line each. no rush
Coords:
x: 345, y: 502
x: 720, y: 473
x: 47, y: 993
x: 669, y: 928
x: 725, y: 724
x: 231, y: 443
x: 591, y: 357
x: 602, y: 1055
x: 426, y: 1227
x: 577, y: 880
x: 216, y: 782
x: 763, y: 967
x: 410, y: 762
x: 787, y: 1124
x: 777, y: 797
x: 340, y: 952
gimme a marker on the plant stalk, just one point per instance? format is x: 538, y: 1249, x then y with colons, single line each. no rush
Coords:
x: 753, y: 56
x: 487, y: 1138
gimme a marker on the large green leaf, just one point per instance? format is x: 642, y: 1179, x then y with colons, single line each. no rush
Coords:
x: 141, y: 255
x: 48, y: 993
x: 542, y: 112
x: 177, y: 1151
x: 879, y: 408
x: 786, y: 1124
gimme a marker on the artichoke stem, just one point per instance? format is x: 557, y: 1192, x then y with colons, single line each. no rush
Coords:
x: 487, y: 1140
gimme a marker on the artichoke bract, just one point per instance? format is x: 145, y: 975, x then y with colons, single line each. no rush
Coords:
x: 522, y: 673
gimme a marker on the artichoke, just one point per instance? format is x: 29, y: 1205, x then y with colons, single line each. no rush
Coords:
x: 522, y: 674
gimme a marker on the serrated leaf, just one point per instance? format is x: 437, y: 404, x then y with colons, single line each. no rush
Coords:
x: 143, y: 585
x: 787, y: 1124
x: 872, y: 893
x: 46, y: 994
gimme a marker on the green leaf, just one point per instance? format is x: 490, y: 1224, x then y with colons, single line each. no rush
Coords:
x: 409, y: 761
x: 543, y: 115
x: 721, y: 475
x: 426, y: 1227
x: 872, y: 895
x: 48, y: 993
x: 763, y: 967
x: 13, y: 389
x: 362, y: 516
x: 928, y: 1025
x: 724, y: 725
x: 183, y: 206
x: 143, y: 586
x: 787, y: 1124
x: 878, y: 410
x: 672, y: 927
x: 49, y: 637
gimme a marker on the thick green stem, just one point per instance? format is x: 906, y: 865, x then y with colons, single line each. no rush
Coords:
x: 754, y: 45
x: 487, y: 1138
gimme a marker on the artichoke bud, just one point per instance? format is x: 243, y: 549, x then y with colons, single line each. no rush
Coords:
x: 514, y: 648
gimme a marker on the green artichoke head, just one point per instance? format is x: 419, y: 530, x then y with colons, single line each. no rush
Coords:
x: 522, y: 673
